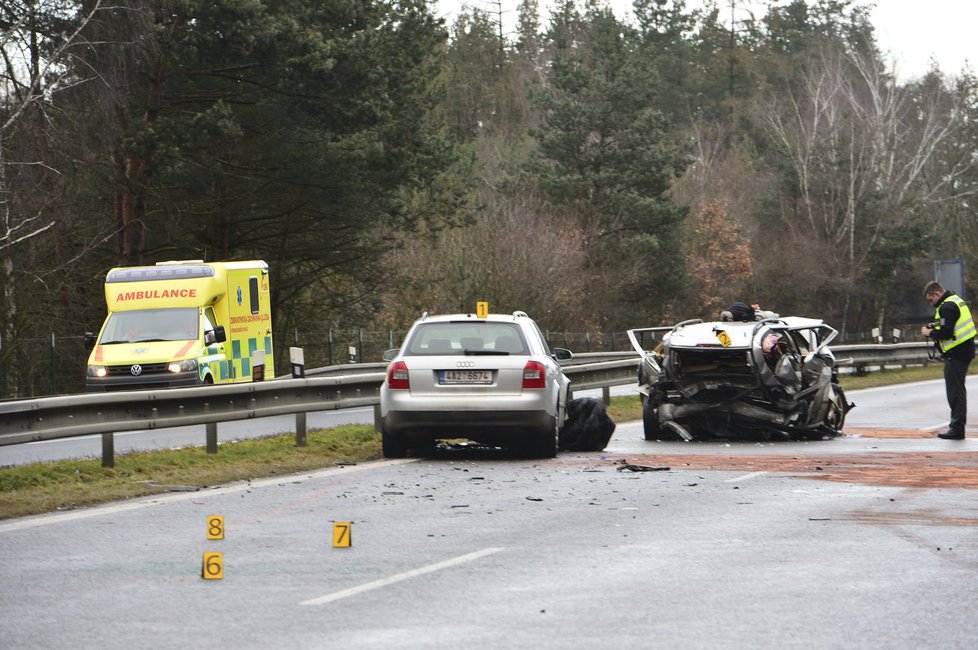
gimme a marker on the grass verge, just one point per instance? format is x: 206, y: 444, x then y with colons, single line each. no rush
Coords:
x: 63, y: 485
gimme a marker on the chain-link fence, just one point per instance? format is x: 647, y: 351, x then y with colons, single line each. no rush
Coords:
x: 33, y: 367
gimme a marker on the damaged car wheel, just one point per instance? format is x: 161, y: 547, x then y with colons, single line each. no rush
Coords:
x: 650, y: 422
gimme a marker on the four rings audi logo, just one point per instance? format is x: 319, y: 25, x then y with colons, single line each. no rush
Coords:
x: 136, y: 370
x: 465, y: 364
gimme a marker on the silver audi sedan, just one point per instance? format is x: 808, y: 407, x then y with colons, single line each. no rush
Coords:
x: 492, y: 379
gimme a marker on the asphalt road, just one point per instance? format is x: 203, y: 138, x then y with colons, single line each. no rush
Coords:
x: 856, y: 542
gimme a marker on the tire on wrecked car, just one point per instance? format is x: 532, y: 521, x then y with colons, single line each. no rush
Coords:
x: 650, y: 422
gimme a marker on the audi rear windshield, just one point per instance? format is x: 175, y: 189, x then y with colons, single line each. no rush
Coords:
x: 472, y: 337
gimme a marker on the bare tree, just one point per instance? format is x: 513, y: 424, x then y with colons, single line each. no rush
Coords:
x: 516, y: 254
x: 30, y: 76
x: 859, y: 147
x: 38, y: 42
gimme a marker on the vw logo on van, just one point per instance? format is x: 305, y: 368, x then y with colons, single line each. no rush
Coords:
x: 465, y: 364
x: 136, y: 370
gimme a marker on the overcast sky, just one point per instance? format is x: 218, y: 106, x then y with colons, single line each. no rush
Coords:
x: 910, y: 32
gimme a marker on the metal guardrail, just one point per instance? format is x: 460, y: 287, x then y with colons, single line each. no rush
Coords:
x: 879, y: 355
x: 324, y: 389
x: 50, y: 418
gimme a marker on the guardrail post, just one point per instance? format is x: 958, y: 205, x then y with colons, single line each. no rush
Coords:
x: 298, y: 360
x: 606, y: 395
x: 211, y: 428
x: 108, y: 450
x: 300, y: 429
x: 329, y: 347
x: 377, y: 418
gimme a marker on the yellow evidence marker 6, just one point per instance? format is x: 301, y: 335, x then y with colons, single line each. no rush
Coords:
x: 215, y: 527
x: 213, y: 566
x: 342, y: 534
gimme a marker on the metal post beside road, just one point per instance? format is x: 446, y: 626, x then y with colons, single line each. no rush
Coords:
x: 108, y: 450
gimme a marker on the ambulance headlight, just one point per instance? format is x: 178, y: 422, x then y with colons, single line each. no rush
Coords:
x: 97, y: 371
x: 187, y: 365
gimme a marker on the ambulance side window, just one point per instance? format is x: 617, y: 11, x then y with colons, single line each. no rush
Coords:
x: 253, y: 293
x: 209, y: 319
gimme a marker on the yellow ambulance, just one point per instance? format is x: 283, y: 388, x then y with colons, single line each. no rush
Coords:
x: 182, y: 323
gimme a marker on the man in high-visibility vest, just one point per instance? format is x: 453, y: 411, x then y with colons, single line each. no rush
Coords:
x: 953, y: 331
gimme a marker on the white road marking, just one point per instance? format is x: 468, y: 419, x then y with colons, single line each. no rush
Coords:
x: 383, y: 582
x: 162, y: 499
x: 745, y: 477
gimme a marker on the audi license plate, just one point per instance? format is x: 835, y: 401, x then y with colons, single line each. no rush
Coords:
x: 464, y: 376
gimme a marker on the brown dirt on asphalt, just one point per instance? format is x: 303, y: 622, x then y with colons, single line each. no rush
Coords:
x: 946, y: 469
x: 889, y: 433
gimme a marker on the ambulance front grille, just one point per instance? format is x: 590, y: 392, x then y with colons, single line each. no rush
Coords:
x: 144, y: 369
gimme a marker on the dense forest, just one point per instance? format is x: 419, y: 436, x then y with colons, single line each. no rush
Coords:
x: 597, y: 172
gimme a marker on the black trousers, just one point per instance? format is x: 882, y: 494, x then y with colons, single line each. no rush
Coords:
x: 955, y: 371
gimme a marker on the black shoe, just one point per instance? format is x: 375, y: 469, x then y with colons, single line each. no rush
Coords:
x: 951, y: 435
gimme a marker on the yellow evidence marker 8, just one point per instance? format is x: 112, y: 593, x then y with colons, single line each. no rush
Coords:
x: 213, y: 566
x: 215, y: 527
x: 342, y: 534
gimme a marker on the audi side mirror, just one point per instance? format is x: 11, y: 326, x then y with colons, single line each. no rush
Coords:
x: 563, y: 354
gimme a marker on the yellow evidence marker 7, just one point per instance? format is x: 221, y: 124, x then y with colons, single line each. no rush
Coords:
x: 342, y: 534
x: 481, y: 309
x: 215, y: 527
x: 213, y: 566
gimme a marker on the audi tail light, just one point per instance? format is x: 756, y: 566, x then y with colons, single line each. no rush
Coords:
x: 534, y: 375
x: 397, y: 375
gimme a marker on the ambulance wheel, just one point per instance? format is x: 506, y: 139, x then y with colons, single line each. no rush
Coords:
x: 208, y: 380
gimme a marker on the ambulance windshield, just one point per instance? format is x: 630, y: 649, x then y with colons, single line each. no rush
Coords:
x: 143, y: 325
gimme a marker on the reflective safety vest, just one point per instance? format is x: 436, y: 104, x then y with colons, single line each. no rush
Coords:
x: 964, y: 328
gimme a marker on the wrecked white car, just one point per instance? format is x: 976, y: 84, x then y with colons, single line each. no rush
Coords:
x: 763, y: 378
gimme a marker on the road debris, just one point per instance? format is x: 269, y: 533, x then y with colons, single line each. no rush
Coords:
x: 891, y: 468
x: 588, y: 427
x: 624, y: 465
